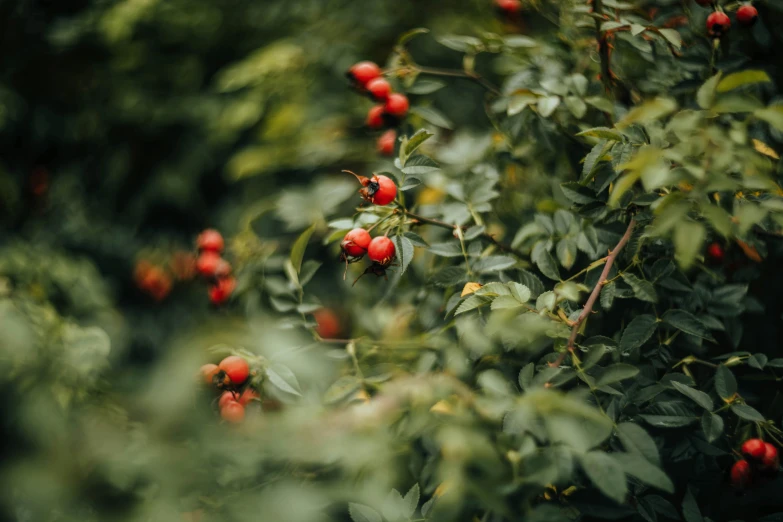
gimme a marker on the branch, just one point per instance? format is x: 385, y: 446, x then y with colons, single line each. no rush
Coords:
x: 603, y: 48
x: 594, y: 295
x: 485, y: 235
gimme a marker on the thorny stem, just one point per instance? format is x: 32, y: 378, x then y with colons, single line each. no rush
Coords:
x: 485, y: 235
x: 594, y: 295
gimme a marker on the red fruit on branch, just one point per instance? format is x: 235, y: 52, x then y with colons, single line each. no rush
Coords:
x: 379, y: 89
x: 225, y: 398
x: 381, y: 250
x: 753, y: 449
x: 328, y: 322
x: 397, y: 105
x: 386, y: 142
x: 233, y: 412
x: 247, y: 396
x: 770, y: 461
x: 221, y: 291
x: 508, y: 6
x: 747, y: 15
x: 208, y: 372
x: 355, y: 242
x: 718, y: 24
x: 236, y: 369
x: 210, y: 240
x: 156, y: 283
x: 379, y: 190
x: 208, y: 263
x: 361, y: 73
x: 375, y: 117
x: 715, y: 252
x: 741, y: 474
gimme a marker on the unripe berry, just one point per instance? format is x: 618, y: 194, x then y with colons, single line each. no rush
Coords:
x: 715, y: 252
x: 718, y: 24
x: 380, y: 190
x: 361, y: 73
x: 207, y: 263
x: 770, y: 461
x: 221, y: 291
x: 379, y: 88
x: 753, y: 449
x: 355, y: 242
x: 233, y: 412
x: 381, y: 250
x: 208, y: 372
x: 210, y: 240
x: 225, y: 398
x: 328, y: 322
x: 236, y: 368
x: 740, y: 474
x: 375, y: 117
x: 747, y: 15
x: 397, y: 105
x: 386, y: 142
x: 508, y: 6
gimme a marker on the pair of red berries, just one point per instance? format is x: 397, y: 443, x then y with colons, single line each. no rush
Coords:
x: 213, y: 267
x: 232, y: 372
x: 358, y: 242
x: 760, y: 458
x: 719, y: 23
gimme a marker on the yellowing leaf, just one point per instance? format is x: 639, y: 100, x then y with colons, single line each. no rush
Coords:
x: 469, y: 288
x: 764, y: 149
x: 442, y: 407
x: 750, y: 251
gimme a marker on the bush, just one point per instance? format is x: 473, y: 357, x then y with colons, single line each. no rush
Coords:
x: 567, y: 310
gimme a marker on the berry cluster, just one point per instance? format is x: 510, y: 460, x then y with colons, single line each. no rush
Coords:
x: 761, y: 461
x: 230, y: 376
x: 213, y: 267
x: 380, y: 250
x: 392, y: 107
x: 719, y: 23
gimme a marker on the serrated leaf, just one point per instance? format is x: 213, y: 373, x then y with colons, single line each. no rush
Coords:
x: 298, y: 250
x: 410, y: 145
x: 547, y: 105
x: 643, y: 470
x: 758, y: 361
x: 643, y: 290
x: 471, y: 303
x: 672, y: 36
x: 577, y: 193
x: 546, y: 263
x: 638, y: 331
x: 393, y: 506
x: 741, y: 79
x: 404, y: 249
x: 616, y: 373
x: 447, y: 249
x: 725, y: 382
x: 606, y: 474
x: 705, y: 97
x: 450, y: 276
x: 411, y: 500
x: 520, y: 292
x: 493, y: 264
x: 636, y: 440
x: 283, y: 378
x: 686, y: 322
x: 419, y: 165
x: 697, y: 396
x: 603, y: 133
x: 747, y: 412
x: 362, y: 513
x: 688, y: 240
x: 712, y: 425
x: 504, y: 302
x: 433, y: 116
x: 532, y: 282
x: 593, y: 159
x: 341, y: 389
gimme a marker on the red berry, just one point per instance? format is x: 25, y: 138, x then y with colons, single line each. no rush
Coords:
x: 715, y: 251
x: 223, y: 268
x: 156, y: 283
x: 225, y: 398
x: 386, y: 142
x: 207, y: 263
x: 379, y: 190
x: 754, y: 449
x: 770, y: 461
x: 233, y: 412
x: 236, y: 368
x: 248, y: 395
x: 361, y: 73
x: 397, y: 105
x: 220, y: 292
x: 328, y: 322
x: 381, y: 250
x: 740, y: 474
x: 509, y: 6
x: 208, y: 371
x: 747, y: 15
x: 379, y: 88
x: 375, y: 117
x: 718, y: 24
x: 210, y: 240
x: 355, y: 242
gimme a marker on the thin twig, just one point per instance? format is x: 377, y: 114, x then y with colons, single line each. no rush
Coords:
x: 594, y: 295
x: 488, y: 237
x: 454, y: 73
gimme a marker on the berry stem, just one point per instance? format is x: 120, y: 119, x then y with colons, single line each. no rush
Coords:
x: 594, y: 295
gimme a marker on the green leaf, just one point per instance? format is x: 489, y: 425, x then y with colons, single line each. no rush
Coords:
x: 393, y: 506
x: 725, y: 383
x: 545, y: 263
x: 772, y: 115
x: 494, y: 264
x: 606, y: 474
x: 342, y: 388
x: 577, y: 193
x: 648, y: 111
x: 638, y: 331
x: 449, y: 276
x: 433, y: 116
x: 520, y: 292
x: 283, y: 378
x: 419, y: 164
x: 643, y: 290
x: 688, y: 240
x: 697, y: 396
x: 616, y: 373
x: 425, y: 86
x: 593, y: 159
x: 635, y: 439
x: 712, y: 425
x: 504, y: 302
x: 690, y: 509
x: 643, y: 470
x: 471, y: 303
x: 758, y: 361
x: 411, y: 500
x: 602, y: 132
x: 407, y: 36
x: 705, y: 97
x: 686, y: 322
x: 566, y: 252
x: 672, y: 36
x: 718, y: 218
x: 410, y: 145
x: 404, y: 251
x: 747, y: 412
x: 298, y: 250
x: 741, y: 79
x: 547, y: 105
x: 519, y: 41
x: 362, y: 513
